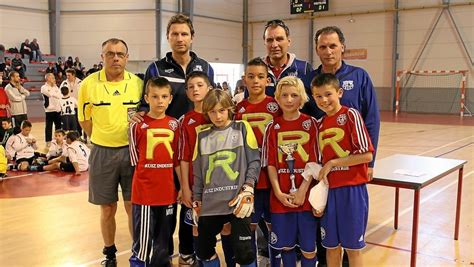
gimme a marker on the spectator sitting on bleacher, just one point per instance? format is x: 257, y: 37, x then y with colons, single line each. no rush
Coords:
x: 36, y: 54
x: 79, y: 68
x: 69, y: 63
x: 16, y: 95
x: 8, y: 130
x: 21, y: 147
x: 72, y: 82
x: 92, y: 70
x: 25, y: 49
x: 18, y: 65
x: 51, y: 69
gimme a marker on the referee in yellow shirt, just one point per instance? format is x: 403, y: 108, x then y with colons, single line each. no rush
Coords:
x: 106, y: 100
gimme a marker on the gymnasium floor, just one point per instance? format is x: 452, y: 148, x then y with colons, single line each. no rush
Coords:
x: 45, y: 219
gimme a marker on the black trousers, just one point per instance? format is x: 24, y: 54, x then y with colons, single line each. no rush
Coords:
x: 210, y: 226
x: 51, y: 117
x: 17, y: 120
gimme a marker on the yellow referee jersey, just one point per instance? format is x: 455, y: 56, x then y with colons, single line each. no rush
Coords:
x: 108, y: 105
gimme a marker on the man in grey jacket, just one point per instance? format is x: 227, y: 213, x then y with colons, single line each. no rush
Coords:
x: 16, y: 95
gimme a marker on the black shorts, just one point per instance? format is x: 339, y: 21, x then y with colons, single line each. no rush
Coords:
x: 67, y: 166
x: 29, y: 160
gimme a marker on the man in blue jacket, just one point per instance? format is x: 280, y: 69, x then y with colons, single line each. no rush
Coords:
x: 359, y: 92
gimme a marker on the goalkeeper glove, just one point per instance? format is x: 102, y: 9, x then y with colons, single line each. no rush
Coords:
x: 243, y: 202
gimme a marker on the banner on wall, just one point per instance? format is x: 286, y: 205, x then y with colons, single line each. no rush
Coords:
x: 355, y: 54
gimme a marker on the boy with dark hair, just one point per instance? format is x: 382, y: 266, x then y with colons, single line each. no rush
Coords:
x: 74, y: 159
x: 68, y: 110
x: 153, y: 143
x: 8, y: 129
x: 21, y: 147
x: 259, y: 110
x: 191, y: 123
x: 346, y: 150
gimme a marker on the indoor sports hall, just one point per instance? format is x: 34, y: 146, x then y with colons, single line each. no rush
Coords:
x: 419, y: 56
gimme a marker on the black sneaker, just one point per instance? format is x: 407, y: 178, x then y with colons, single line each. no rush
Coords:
x: 109, y: 263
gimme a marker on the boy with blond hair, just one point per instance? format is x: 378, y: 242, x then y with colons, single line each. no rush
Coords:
x: 290, y: 144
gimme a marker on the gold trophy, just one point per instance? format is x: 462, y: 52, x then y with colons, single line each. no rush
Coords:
x: 288, y: 150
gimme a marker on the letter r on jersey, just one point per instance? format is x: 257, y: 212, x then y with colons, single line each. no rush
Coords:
x: 222, y: 159
x: 299, y: 137
x: 335, y: 135
x: 155, y: 137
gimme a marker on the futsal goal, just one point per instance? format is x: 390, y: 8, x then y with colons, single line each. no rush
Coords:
x: 431, y: 91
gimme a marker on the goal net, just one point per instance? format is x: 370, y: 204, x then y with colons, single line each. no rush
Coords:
x: 442, y: 92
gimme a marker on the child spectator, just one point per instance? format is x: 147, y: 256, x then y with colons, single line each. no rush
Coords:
x: 8, y: 130
x: 191, y: 123
x: 346, y: 150
x: 74, y: 159
x: 226, y: 165
x: 21, y: 147
x: 259, y: 110
x: 153, y: 143
x: 68, y: 110
x: 58, y: 145
x: 290, y: 140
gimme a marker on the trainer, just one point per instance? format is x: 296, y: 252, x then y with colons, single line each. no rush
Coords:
x: 106, y: 100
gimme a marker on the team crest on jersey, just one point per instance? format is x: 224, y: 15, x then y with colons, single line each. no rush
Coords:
x: 197, y: 68
x: 242, y: 110
x: 277, y: 126
x: 347, y: 85
x: 273, y: 238
x: 272, y: 107
x: 191, y: 121
x: 234, y: 138
x: 323, y: 233
x: 173, y: 125
x: 306, y: 124
x: 341, y: 119
x: 169, y: 70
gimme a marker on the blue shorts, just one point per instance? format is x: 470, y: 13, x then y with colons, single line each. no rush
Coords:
x: 262, y: 206
x: 294, y: 228
x: 345, y: 218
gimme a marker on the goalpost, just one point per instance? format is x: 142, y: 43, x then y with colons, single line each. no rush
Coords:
x: 431, y: 91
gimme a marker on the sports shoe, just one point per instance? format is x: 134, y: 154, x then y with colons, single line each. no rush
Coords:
x: 263, y: 261
x: 109, y: 263
x: 186, y: 260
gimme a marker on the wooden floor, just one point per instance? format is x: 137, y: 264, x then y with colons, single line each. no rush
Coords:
x: 45, y: 219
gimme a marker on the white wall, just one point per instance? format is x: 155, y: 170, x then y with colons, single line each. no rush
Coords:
x: 16, y: 24
x: 372, y: 29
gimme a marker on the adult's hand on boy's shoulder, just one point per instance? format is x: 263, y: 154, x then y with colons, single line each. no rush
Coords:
x: 137, y: 117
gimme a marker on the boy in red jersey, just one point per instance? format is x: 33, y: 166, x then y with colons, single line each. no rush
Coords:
x: 191, y: 123
x: 346, y: 150
x: 259, y: 110
x: 294, y: 134
x: 152, y: 146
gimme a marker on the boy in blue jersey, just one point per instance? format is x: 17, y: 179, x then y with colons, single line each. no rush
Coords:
x: 226, y: 165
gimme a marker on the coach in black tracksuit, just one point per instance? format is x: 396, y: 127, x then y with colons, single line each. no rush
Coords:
x: 175, y: 66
